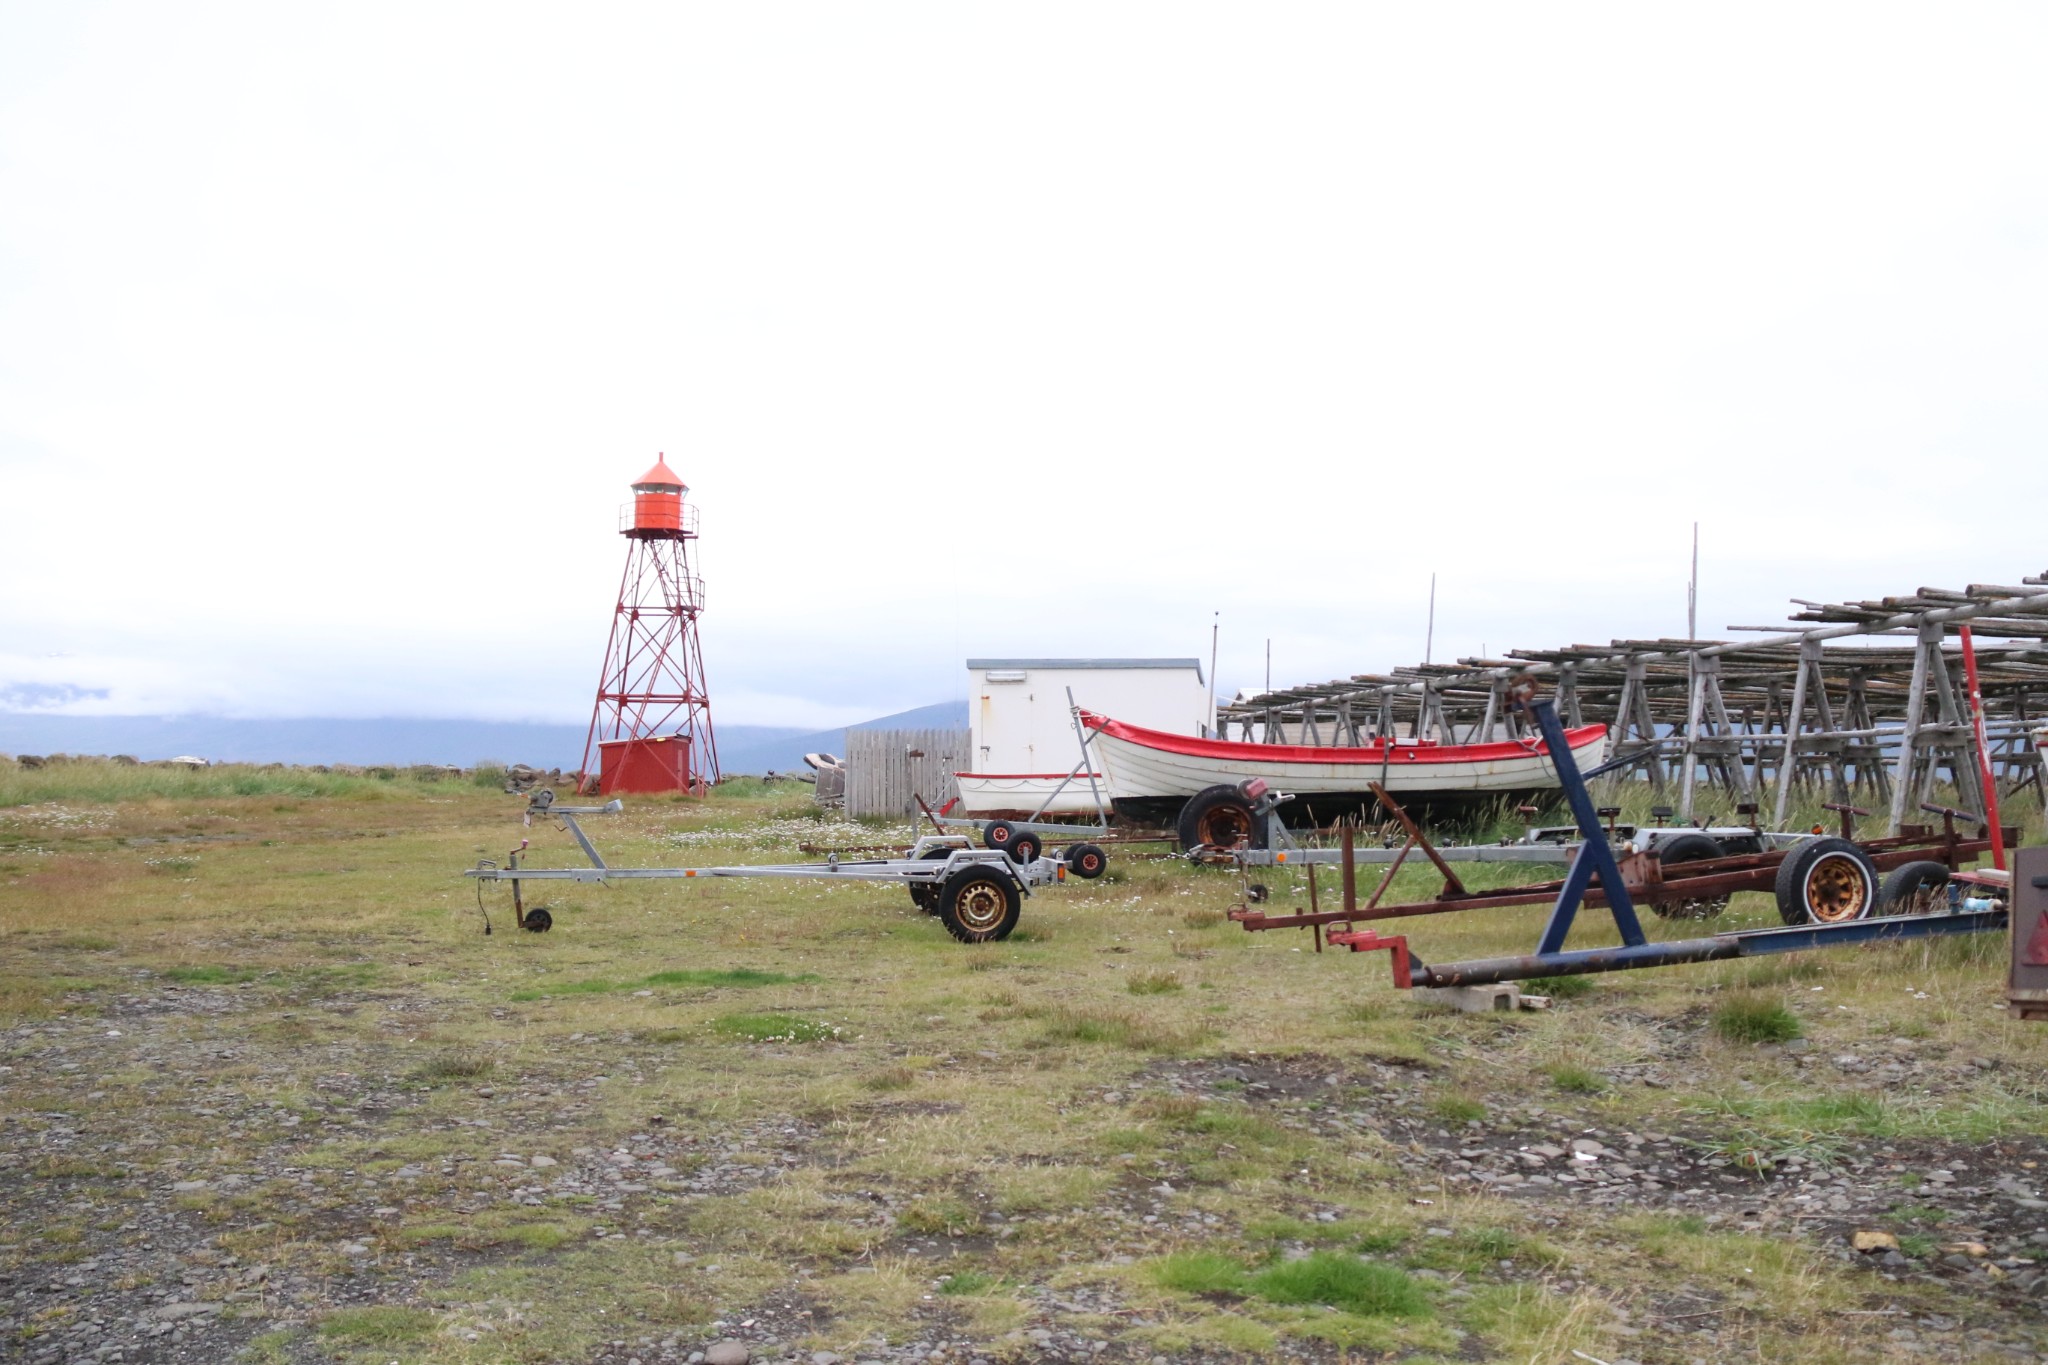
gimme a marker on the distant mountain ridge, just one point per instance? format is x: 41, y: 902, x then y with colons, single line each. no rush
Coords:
x: 741, y: 748
x: 786, y: 753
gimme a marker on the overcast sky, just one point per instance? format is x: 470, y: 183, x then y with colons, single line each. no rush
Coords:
x: 330, y: 336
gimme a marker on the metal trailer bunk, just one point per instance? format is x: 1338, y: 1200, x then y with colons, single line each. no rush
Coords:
x: 977, y: 894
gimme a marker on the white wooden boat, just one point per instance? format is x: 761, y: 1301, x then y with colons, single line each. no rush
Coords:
x: 988, y: 796
x: 1145, y: 766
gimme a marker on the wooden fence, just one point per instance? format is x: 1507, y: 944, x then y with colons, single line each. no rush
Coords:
x: 886, y: 768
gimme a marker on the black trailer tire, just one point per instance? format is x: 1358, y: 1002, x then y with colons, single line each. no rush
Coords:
x: 1914, y: 889
x: 1217, y: 817
x: 997, y: 834
x: 1087, y: 861
x: 1024, y: 847
x: 980, y: 904
x: 1690, y: 848
x: 538, y: 921
x: 925, y: 895
x: 1826, y: 881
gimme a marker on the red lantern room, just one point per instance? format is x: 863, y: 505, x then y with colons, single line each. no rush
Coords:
x: 658, y: 502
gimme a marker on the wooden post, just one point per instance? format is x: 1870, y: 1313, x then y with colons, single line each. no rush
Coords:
x: 1692, y: 732
x: 1909, y: 736
x: 1788, y: 763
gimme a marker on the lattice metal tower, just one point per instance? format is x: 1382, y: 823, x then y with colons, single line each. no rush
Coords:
x: 650, y: 730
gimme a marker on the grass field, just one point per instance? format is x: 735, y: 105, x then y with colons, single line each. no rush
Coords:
x: 268, y: 1093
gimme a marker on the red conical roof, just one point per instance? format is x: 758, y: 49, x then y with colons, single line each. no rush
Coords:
x: 660, y: 474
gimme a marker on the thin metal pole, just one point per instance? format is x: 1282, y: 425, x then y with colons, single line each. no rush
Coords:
x: 1101, y: 812
x: 1215, y: 633
x: 1692, y: 589
x: 1350, y: 880
x: 1429, y: 636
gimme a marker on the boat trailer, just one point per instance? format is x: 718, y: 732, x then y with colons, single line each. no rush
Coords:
x: 978, y: 894
x: 1826, y: 888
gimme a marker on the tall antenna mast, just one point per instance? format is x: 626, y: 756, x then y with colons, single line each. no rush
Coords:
x: 1692, y: 590
x: 1215, y: 631
x: 1429, y: 640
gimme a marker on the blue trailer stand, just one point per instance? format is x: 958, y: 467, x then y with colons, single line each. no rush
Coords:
x: 1595, y: 863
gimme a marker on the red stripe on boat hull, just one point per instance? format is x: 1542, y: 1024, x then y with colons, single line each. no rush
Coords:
x: 1404, y: 753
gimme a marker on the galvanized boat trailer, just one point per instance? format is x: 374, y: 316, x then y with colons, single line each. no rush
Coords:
x: 1832, y: 879
x: 978, y: 894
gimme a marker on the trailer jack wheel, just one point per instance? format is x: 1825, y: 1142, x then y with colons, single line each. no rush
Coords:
x: 537, y: 921
x: 1087, y: 861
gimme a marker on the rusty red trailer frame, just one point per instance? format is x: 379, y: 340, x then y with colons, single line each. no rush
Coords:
x: 1648, y: 881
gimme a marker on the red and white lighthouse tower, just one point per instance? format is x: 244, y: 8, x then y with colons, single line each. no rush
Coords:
x: 651, y: 728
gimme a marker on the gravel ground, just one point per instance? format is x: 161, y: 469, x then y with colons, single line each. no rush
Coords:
x: 126, y: 1166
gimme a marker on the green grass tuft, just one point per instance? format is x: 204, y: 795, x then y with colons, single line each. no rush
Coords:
x: 1153, y: 983
x: 1576, y: 1080
x: 942, y: 1215
x: 209, y: 976
x: 963, y: 1282
x: 1363, y: 1287
x: 773, y: 1028
x: 1117, y: 1028
x: 1755, y: 1019
x: 1561, y: 987
x: 1453, y: 1108
x: 376, y: 1325
x: 456, y: 1066
x: 710, y: 978
x: 893, y: 1078
x: 730, y: 976
x: 1199, y: 1272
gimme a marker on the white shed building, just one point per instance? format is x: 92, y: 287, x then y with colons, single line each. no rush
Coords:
x: 1019, y: 726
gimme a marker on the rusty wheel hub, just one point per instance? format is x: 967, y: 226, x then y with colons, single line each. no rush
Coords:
x: 1225, y: 825
x: 1837, y: 890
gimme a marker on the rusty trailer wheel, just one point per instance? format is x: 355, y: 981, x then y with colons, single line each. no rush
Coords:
x: 1914, y: 889
x: 1826, y: 881
x: 980, y: 904
x: 1219, y: 817
x: 1690, y: 848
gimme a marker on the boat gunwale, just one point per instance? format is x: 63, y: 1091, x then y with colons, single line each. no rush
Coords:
x: 1403, y: 752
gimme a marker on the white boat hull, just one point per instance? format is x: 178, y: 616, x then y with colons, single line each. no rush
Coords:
x: 987, y: 796
x: 1140, y: 767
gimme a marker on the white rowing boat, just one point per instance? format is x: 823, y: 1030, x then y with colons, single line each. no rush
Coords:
x: 1145, y: 763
